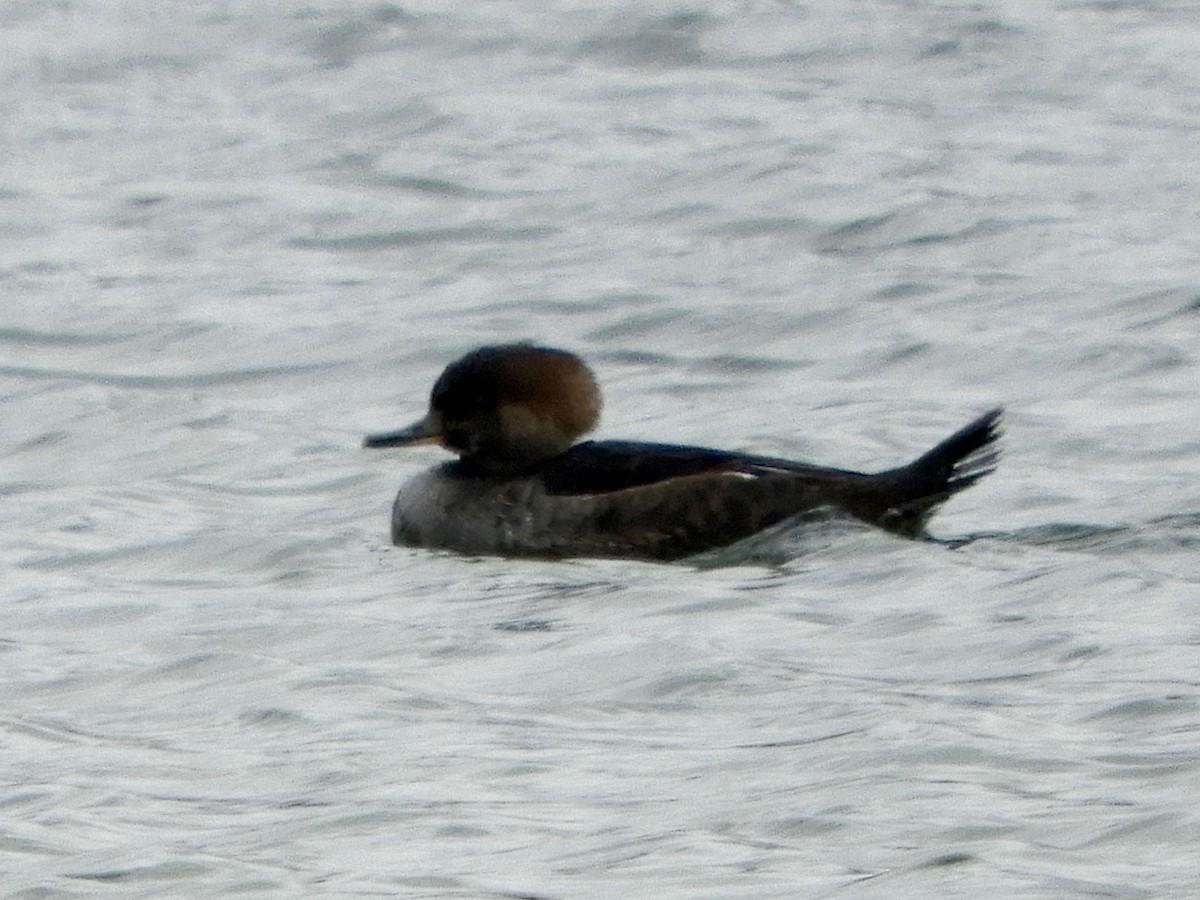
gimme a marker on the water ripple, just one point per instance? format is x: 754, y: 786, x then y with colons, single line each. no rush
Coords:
x: 163, y: 382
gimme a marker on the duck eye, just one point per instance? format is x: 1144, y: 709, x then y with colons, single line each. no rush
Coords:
x: 457, y: 439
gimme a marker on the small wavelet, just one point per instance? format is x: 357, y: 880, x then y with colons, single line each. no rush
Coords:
x: 1174, y: 531
x: 669, y: 41
x: 162, y: 382
x: 175, y: 870
x: 482, y: 233
x: 1148, y: 708
x: 27, y: 337
x: 764, y: 226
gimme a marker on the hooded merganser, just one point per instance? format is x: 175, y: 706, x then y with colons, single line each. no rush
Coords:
x: 522, y: 486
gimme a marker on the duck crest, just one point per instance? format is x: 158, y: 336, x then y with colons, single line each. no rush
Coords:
x: 538, y: 388
x: 506, y: 408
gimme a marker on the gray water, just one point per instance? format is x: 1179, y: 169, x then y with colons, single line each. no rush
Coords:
x: 237, y: 236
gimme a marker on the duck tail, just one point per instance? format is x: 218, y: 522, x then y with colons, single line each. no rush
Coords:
x: 912, y: 493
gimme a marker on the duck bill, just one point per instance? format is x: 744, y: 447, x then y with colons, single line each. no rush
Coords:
x: 427, y: 431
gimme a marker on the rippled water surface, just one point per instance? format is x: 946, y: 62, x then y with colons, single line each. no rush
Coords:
x: 235, y: 237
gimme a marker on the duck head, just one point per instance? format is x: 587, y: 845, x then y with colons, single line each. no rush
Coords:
x: 505, y: 408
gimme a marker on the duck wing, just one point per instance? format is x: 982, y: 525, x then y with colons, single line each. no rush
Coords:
x: 667, y: 501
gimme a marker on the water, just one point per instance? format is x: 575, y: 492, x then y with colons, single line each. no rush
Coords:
x: 238, y: 236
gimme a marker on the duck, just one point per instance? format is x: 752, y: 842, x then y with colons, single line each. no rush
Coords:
x: 524, y: 485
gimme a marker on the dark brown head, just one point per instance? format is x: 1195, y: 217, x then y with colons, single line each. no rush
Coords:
x: 505, y: 408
